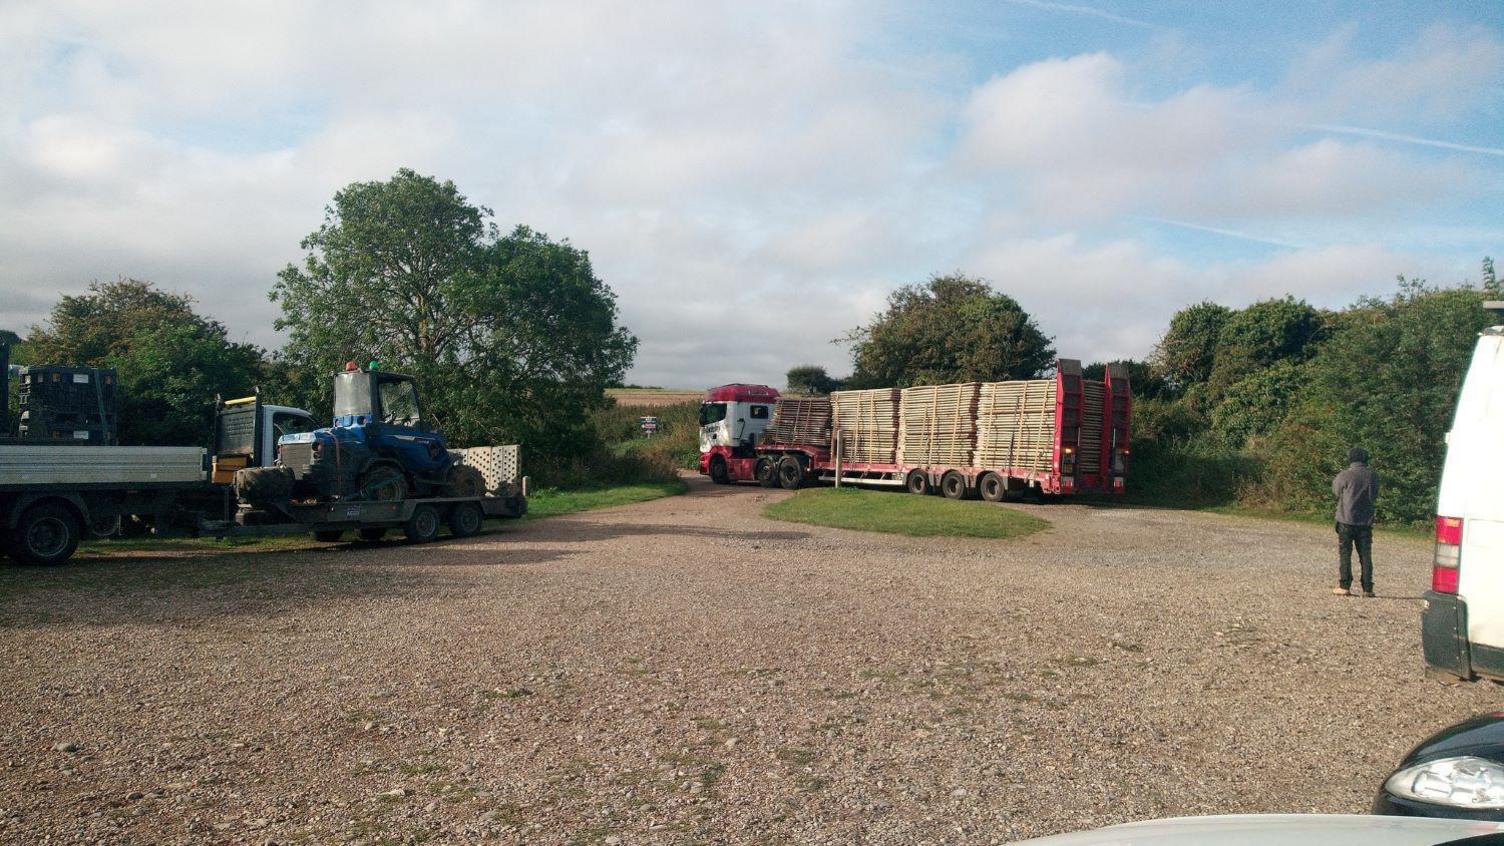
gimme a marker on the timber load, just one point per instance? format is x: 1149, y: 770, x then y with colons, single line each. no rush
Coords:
x: 868, y: 424
x: 799, y: 420
x: 937, y: 424
x: 1016, y: 425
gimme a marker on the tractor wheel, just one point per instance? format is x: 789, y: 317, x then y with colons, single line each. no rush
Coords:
x: 953, y: 485
x: 371, y: 535
x: 383, y: 483
x: 917, y: 482
x: 465, y: 519
x: 766, y: 471
x: 718, y: 472
x: 465, y: 481
x: 329, y: 535
x: 47, y: 534
x: 993, y: 488
x: 790, y: 473
x: 263, y: 485
x: 423, y: 526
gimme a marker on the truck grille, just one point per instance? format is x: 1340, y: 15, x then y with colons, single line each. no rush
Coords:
x: 297, y: 457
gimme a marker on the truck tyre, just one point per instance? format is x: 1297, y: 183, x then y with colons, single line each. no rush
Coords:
x: 718, y: 472
x: 917, y: 482
x: 46, y: 534
x: 465, y: 481
x: 383, y: 483
x: 329, y: 535
x: 372, y: 535
x: 466, y: 519
x: 766, y: 471
x: 953, y: 485
x: 790, y: 473
x: 992, y: 487
x: 263, y: 485
x: 423, y: 526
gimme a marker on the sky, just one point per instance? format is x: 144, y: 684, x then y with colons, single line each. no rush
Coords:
x: 752, y: 180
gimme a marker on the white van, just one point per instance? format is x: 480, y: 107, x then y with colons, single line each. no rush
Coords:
x: 1462, y: 626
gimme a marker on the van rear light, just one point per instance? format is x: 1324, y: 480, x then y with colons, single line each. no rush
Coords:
x: 1447, y: 561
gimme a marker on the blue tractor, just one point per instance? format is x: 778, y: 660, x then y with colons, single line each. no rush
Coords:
x: 378, y: 448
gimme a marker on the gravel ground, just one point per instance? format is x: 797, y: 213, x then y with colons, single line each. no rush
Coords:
x: 685, y: 671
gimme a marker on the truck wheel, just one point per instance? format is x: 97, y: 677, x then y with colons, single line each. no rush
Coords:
x: 953, y: 485
x: 465, y: 519
x: 47, y: 534
x: 423, y: 526
x: 917, y: 482
x: 383, y: 483
x: 790, y: 473
x: 766, y: 471
x: 993, y: 488
x: 718, y: 472
x: 329, y: 535
x: 465, y: 481
x: 372, y: 535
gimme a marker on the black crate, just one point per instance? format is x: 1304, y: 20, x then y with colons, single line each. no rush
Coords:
x: 57, y: 401
x: 45, y: 434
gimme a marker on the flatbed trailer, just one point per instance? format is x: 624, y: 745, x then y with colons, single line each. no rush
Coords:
x: 1086, y: 451
x: 53, y: 497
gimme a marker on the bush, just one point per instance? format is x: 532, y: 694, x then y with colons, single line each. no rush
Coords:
x: 1194, y: 473
x: 1255, y: 405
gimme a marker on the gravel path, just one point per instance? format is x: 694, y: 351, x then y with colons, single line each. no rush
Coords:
x: 685, y: 671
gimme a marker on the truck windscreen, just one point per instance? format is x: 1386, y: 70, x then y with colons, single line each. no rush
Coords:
x: 352, y: 394
x: 712, y: 412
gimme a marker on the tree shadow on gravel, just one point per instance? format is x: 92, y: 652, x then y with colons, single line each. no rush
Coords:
x: 568, y: 532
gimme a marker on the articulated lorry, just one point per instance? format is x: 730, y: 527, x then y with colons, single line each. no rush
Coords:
x: 52, y: 496
x: 997, y: 440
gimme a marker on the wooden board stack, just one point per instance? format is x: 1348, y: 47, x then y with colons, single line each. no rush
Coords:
x: 1016, y: 425
x: 868, y: 421
x: 937, y: 424
x: 799, y: 420
x: 1093, y: 406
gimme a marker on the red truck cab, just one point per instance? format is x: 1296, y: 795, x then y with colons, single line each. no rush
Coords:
x: 732, y: 419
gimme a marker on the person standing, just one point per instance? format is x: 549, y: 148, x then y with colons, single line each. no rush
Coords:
x: 1356, y: 488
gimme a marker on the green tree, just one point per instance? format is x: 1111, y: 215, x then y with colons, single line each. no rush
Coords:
x: 1186, y: 353
x: 171, y: 360
x: 514, y: 337
x: 810, y: 380
x: 949, y: 329
x: 1142, y: 377
x: 1262, y: 334
x: 1386, y: 381
x: 1255, y: 405
x: 1491, y: 284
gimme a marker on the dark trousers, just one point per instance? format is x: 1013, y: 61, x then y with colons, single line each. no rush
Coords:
x: 1349, y: 536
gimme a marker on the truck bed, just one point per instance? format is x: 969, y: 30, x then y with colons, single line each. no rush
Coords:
x: 29, y: 466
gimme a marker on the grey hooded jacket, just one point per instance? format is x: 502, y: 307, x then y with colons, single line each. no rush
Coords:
x: 1356, y: 488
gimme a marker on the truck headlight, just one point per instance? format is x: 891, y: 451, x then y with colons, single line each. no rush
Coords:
x: 1475, y: 784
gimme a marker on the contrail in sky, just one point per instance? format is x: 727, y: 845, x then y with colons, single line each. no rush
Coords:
x: 1091, y: 11
x: 1405, y: 139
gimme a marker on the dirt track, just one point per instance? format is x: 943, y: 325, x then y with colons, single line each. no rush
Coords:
x: 685, y: 671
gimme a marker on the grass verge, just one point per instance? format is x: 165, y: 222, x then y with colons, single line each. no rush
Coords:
x: 553, y: 502
x: 904, y: 514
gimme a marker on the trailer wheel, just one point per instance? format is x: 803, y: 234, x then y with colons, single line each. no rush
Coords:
x: 329, y: 535
x: 465, y: 519
x: 790, y: 473
x: 953, y: 485
x: 766, y: 471
x: 423, y: 526
x: 372, y: 535
x: 46, y: 534
x: 917, y: 482
x: 992, y: 487
x: 718, y: 472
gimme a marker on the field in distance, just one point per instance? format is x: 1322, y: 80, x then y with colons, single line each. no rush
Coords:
x: 653, y: 396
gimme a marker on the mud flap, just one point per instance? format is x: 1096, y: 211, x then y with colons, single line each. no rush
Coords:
x: 1443, y: 627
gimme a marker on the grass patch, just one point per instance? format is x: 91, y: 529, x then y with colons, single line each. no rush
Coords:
x: 904, y: 514
x: 553, y: 502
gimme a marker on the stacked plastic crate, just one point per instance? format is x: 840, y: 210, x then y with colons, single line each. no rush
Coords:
x: 58, y: 403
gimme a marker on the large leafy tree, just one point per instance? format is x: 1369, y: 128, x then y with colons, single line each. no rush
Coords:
x: 811, y: 380
x: 171, y: 360
x: 1187, y: 351
x: 950, y: 329
x: 1262, y: 334
x: 514, y: 337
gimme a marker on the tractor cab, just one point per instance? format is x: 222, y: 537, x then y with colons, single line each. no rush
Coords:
x: 366, y: 397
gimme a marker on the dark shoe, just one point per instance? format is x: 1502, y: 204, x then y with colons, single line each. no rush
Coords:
x: 1368, y: 594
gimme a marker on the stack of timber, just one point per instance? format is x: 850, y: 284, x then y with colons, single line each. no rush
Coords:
x: 937, y: 424
x: 1093, y: 406
x: 799, y: 420
x: 1016, y: 425
x: 868, y: 422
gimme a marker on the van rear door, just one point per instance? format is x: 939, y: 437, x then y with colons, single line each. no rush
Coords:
x: 1472, y: 488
